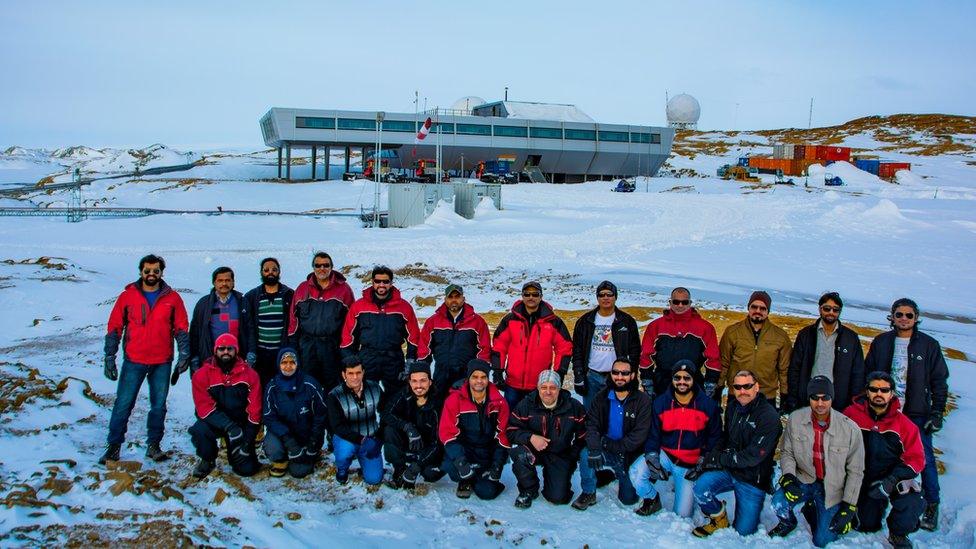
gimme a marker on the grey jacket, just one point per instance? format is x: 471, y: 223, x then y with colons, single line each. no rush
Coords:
x: 843, y: 455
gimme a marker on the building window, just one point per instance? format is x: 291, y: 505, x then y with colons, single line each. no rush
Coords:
x: 398, y: 126
x: 473, y: 129
x: 315, y: 123
x: 357, y: 124
x: 445, y: 127
x: 511, y: 131
x: 656, y: 138
x: 581, y: 135
x: 620, y: 137
x: 546, y: 133
x: 640, y: 137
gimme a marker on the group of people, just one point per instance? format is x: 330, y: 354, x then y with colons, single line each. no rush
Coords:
x: 323, y: 372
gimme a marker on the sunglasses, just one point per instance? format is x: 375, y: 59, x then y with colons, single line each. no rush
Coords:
x: 909, y: 316
x: 604, y: 294
x: 620, y: 373
x: 322, y: 265
x: 383, y: 282
x: 821, y: 398
x: 882, y: 390
x: 829, y: 309
x: 151, y: 271
x: 680, y: 301
x: 681, y: 378
x: 743, y: 387
x: 531, y: 294
x: 224, y: 349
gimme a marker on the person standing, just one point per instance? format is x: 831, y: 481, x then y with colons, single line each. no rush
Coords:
x: 450, y: 338
x: 915, y: 361
x: 600, y: 336
x: 222, y: 311
x: 145, y: 320
x: 757, y: 345
x: 267, y: 308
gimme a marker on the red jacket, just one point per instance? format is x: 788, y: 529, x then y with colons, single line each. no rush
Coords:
x: 146, y: 333
x: 523, y: 351
x: 377, y: 333
x: 460, y: 421
x: 320, y: 312
x: 674, y: 337
x: 892, y: 445
x: 235, y: 395
x: 452, y: 345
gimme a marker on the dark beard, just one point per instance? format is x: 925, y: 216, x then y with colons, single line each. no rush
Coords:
x: 269, y: 280
x: 682, y: 391
x: 226, y: 362
x: 151, y: 283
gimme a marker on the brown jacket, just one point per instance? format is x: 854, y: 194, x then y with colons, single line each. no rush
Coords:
x: 769, y: 358
x: 843, y: 455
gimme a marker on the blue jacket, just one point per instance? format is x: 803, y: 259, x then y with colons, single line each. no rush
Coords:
x: 294, y: 407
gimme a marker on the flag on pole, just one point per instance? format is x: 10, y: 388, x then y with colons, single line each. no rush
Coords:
x: 424, y: 130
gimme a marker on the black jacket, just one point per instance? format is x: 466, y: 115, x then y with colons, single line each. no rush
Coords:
x: 252, y: 298
x: 749, y: 441
x: 564, y: 425
x: 202, y: 341
x: 626, y: 340
x: 353, y: 418
x: 403, y: 409
x: 927, y: 388
x: 849, y: 373
x: 295, y: 408
x: 637, y: 424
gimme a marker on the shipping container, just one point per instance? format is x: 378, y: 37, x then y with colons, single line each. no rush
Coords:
x: 809, y: 152
x: 755, y: 161
x: 744, y: 161
x: 887, y: 169
x: 831, y: 152
x: 870, y: 166
x: 777, y: 151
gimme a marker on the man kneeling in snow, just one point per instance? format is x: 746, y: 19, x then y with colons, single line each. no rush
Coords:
x: 295, y: 415
x: 410, y: 426
x: 227, y: 398
x: 354, y: 408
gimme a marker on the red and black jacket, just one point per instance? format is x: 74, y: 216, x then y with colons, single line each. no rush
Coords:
x: 147, y: 333
x: 684, y: 432
x: 376, y: 332
x: 523, y: 348
x: 892, y: 445
x: 318, y: 312
x: 472, y: 430
x: 221, y: 399
x: 564, y: 425
x: 451, y: 345
x: 673, y: 337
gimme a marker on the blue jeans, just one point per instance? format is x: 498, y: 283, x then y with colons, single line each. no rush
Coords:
x: 810, y: 493
x: 748, y: 499
x: 684, y: 490
x: 930, y: 474
x: 595, y: 381
x: 130, y: 382
x: 625, y: 491
x: 344, y: 452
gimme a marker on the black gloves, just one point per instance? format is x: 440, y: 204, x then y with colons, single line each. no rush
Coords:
x: 293, y: 448
x: 933, y: 424
x: 371, y: 447
x: 411, y: 473
x: 464, y: 469
x: 709, y: 462
x: 653, y: 460
x: 111, y: 371
x: 697, y: 470
x: 710, y: 387
x: 182, y: 365
x: 251, y: 358
x: 843, y: 521
x: 414, y: 440
x: 791, y: 487
x: 407, y: 365
x: 495, y: 473
x: 580, y: 384
x: 882, y: 489
x: 498, y: 378
x: 648, y: 385
x: 596, y: 460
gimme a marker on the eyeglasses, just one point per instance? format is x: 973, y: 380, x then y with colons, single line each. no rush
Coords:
x: 821, y: 398
x: 681, y: 378
x: 909, y: 316
x: 744, y: 386
x: 620, y: 373
x: 680, y: 301
x: 224, y: 349
x: 829, y: 309
x: 531, y: 294
x: 383, y: 282
x: 151, y: 271
x: 322, y: 265
x: 882, y: 390
x: 604, y: 294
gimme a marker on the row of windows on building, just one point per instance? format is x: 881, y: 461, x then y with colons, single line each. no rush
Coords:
x: 478, y: 129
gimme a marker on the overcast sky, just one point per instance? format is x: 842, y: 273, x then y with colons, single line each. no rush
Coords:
x: 202, y: 73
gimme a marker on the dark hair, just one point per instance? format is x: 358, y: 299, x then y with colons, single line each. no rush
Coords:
x: 351, y: 362
x: 152, y: 258
x: 382, y: 270
x: 831, y: 296
x: 904, y: 302
x: 220, y: 271
x: 743, y: 373
x: 880, y: 375
x: 267, y: 259
x: 625, y: 360
x: 321, y: 255
x: 681, y: 289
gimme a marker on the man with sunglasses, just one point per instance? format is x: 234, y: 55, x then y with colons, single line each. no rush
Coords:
x: 681, y: 333
x: 893, y: 457
x: 915, y: 361
x: 617, y: 425
x: 222, y: 311
x: 685, y: 425
x: 821, y: 466
x: 528, y: 340
x: 599, y: 337
x: 830, y: 349
x: 267, y: 308
x: 315, y: 319
x: 742, y: 462
x: 450, y: 338
x: 147, y: 317
x: 759, y: 345
x: 377, y: 326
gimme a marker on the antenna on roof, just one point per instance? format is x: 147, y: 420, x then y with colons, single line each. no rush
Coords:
x: 506, y: 93
x: 810, y: 119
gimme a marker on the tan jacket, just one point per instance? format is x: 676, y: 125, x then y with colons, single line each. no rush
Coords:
x: 769, y: 358
x: 843, y: 455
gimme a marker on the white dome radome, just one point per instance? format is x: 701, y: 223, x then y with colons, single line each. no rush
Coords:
x: 683, y: 111
x: 467, y: 103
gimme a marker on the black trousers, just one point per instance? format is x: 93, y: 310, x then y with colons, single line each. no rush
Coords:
x: 903, y: 518
x: 319, y: 357
x: 204, y: 439
x: 484, y: 487
x: 557, y: 474
x: 266, y: 365
x: 397, y: 453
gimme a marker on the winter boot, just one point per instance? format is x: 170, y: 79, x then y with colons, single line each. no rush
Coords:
x: 899, y: 542
x: 782, y: 529
x: 111, y: 453
x: 464, y: 489
x: 649, y: 506
x: 278, y: 468
x: 524, y: 499
x: 584, y: 501
x: 203, y: 469
x: 396, y: 479
x: 715, y: 523
x: 930, y: 518
x: 155, y: 453
x: 342, y: 478
x: 604, y: 477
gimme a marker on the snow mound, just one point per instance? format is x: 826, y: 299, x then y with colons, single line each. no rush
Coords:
x: 78, y: 152
x: 908, y: 178
x: 485, y: 208
x: 444, y: 216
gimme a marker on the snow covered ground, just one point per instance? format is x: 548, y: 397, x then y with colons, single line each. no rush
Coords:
x: 870, y: 240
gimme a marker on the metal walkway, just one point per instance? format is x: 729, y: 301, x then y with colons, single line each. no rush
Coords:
x: 143, y: 212
x: 30, y: 188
